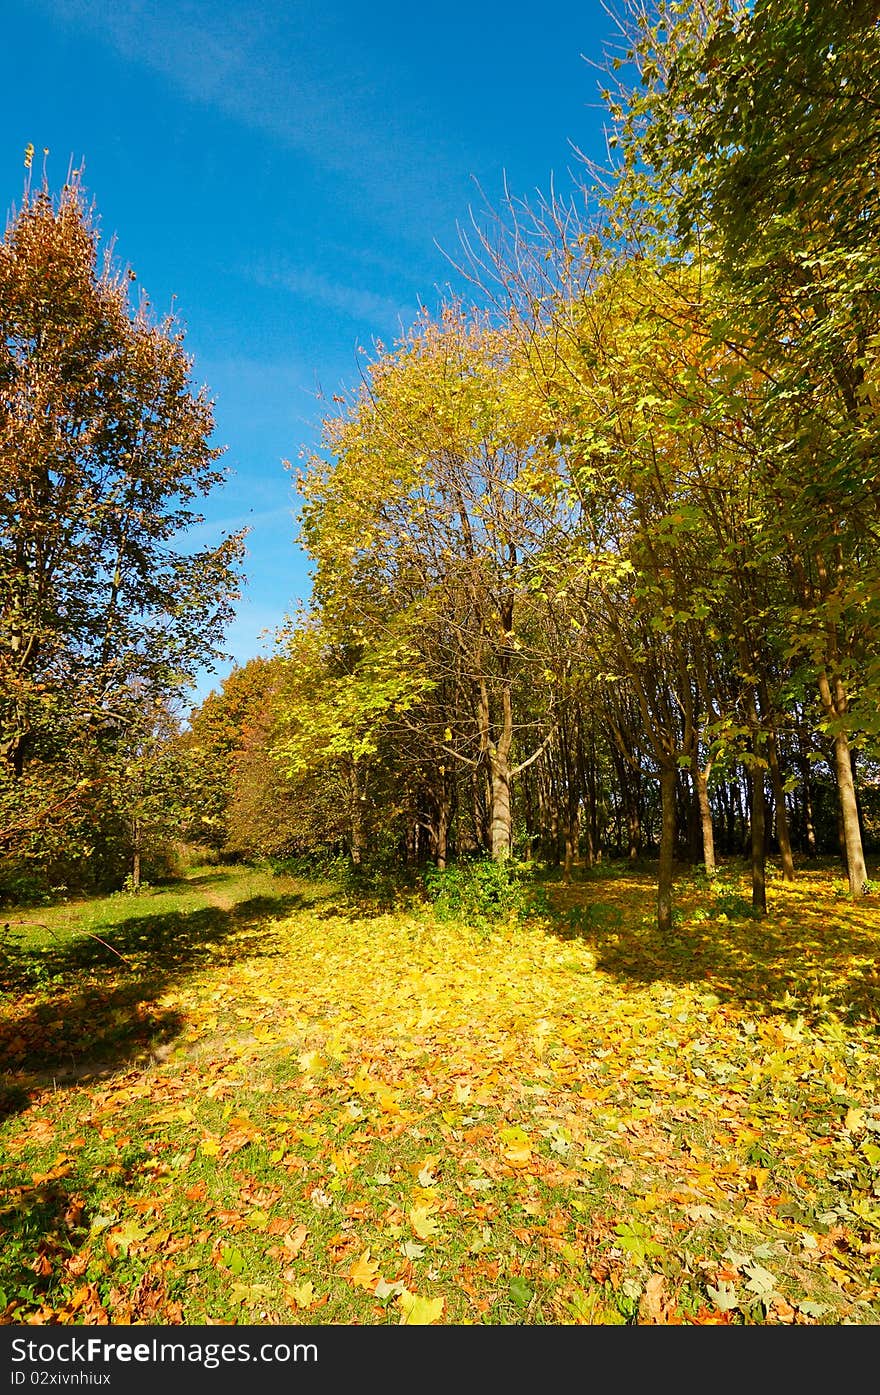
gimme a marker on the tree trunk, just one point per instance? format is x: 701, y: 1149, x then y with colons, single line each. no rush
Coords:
x: 355, y: 816
x: 501, y: 821
x: 441, y: 821
x: 668, y: 791
x: 744, y: 803
x: 480, y: 807
x: 809, y: 823
x: 633, y: 825
x: 496, y: 754
x: 136, y: 870
x: 729, y: 825
x: 594, y: 850
x: 442, y: 838
x: 835, y: 705
x: 571, y: 845
x: 701, y: 787
x: 849, y: 810
x: 783, y: 837
x: 759, y: 879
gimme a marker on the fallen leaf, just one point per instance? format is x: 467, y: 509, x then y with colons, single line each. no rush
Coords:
x: 303, y: 1295
x: 654, y: 1305
x: 422, y: 1222
x: 724, y: 1297
x: 419, y: 1312
x: 365, y: 1272
x: 295, y: 1239
x: 760, y: 1281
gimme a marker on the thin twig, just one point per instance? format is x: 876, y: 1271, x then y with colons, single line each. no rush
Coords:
x: 43, y: 926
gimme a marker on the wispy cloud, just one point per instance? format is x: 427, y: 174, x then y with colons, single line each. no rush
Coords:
x: 363, y: 305
x: 264, y: 69
x: 278, y: 398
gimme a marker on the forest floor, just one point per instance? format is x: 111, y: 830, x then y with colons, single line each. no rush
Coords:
x: 249, y: 1098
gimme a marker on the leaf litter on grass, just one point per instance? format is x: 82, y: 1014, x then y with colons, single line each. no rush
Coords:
x: 386, y: 1119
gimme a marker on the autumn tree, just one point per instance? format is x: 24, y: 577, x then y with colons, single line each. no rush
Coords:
x: 217, y: 734
x: 104, y: 446
x: 425, y: 512
x: 149, y: 797
x: 753, y: 140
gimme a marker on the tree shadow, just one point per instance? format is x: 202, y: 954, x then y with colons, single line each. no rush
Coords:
x: 214, y: 874
x: 51, y: 1262
x: 92, y: 1005
x: 800, y: 960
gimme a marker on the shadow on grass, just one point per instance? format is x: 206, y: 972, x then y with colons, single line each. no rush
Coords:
x: 214, y: 874
x: 819, y: 961
x: 91, y: 1005
x: 41, y: 1224
x: 47, y: 1261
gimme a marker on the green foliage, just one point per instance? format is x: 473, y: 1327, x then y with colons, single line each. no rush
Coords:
x: 377, y: 883
x: 22, y: 884
x: 480, y: 891
x: 593, y: 918
x: 732, y: 904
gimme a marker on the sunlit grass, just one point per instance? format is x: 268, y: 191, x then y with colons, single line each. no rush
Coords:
x: 278, y: 1106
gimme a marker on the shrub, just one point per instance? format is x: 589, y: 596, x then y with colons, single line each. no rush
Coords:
x: 480, y: 891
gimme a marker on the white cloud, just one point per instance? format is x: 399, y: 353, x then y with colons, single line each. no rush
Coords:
x: 276, y: 72
x: 311, y: 285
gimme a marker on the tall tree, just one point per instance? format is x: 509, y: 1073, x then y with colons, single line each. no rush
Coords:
x: 766, y: 116
x: 104, y: 446
x: 427, y: 513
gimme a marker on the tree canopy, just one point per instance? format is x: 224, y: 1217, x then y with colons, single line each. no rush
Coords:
x: 104, y: 447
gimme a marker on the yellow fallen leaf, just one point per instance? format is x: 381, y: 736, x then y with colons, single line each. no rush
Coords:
x: 518, y: 1155
x: 649, y: 1202
x: 365, y: 1272
x: 210, y: 1147
x: 854, y: 1119
x: 514, y: 1137
x: 417, y: 1311
x: 423, y: 1222
x: 303, y: 1295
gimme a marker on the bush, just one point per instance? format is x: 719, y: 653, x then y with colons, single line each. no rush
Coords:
x: 480, y: 891
x: 23, y: 884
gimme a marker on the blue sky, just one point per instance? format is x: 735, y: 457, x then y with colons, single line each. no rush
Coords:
x: 282, y: 174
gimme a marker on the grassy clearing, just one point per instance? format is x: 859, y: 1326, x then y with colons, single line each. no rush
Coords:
x: 277, y: 1106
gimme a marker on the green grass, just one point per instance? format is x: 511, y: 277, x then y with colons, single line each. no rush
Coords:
x: 246, y: 1098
